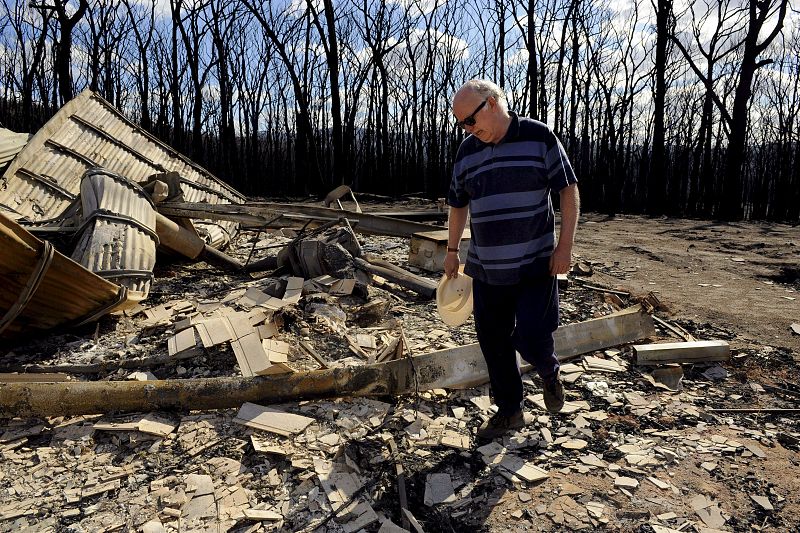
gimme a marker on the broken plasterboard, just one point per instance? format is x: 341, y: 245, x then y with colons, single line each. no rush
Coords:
x: 294, y: 290
x: 247, y: 347
x: 272, y: 420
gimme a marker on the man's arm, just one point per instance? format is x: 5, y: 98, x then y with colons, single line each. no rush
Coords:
x: 457, y: 221
x: 561, y: 259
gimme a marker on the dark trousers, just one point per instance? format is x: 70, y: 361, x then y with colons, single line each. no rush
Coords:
x: 510, y: 318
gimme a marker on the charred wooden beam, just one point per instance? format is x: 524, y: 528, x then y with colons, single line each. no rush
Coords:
x: 422, y: 286
x: 259, y: 213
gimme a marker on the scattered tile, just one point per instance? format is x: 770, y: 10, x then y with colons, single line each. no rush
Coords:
x: 439, y: 489
x: 574, y: 444
x: 262, y: 515
x: 272, y: 420
x: 755, y: 449
x: 763, y: 501
x: 523, y: 469
x: 709, y: 466
x: 663, y: 485
x: 595, y: 509
x: 626, y: 482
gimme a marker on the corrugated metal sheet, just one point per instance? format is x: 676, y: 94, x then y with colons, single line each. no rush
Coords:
x: 43, y: 289
x: 11, y: 143
x: 117, y: 239
x: 89, y: 132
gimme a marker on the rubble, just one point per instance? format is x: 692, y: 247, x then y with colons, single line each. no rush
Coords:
x: 308, y: 397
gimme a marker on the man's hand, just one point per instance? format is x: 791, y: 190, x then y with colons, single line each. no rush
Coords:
x: 457, y: 220
x: 560, y: 261
x: 451, y: 264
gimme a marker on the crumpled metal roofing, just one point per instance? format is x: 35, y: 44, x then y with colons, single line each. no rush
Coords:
x: 87, y: 132
x: 11, y: 143
x: 43, y: 289
x: 117, y: 238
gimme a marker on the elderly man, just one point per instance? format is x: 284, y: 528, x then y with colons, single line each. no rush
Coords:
x: 503, y: 174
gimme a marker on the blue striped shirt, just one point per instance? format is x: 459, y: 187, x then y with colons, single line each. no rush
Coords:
x: 507, y: 188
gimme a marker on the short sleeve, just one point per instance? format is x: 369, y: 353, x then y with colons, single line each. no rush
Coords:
x: 457, y: 195
x: 559, y: 170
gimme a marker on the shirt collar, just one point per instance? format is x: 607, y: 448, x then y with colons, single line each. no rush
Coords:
x: 513, y: 129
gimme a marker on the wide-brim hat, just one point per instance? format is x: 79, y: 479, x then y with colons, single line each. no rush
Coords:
x: 454, y: 298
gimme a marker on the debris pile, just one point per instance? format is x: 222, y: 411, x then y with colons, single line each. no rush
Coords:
x: 313, y: 387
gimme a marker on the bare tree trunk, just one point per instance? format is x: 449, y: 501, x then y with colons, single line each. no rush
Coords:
x: 656, y: 181
x: 532, y: 79
x: 63, y: 56
x: 732, y: 185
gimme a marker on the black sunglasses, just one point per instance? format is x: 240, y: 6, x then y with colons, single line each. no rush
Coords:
x: 470, y: 120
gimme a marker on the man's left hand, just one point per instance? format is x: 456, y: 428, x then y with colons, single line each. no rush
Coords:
x: 561, y: 260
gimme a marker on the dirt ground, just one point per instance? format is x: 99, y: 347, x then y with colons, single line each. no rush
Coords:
x: 742, y: 276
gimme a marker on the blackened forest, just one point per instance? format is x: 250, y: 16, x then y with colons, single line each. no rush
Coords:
x: 664, y: 108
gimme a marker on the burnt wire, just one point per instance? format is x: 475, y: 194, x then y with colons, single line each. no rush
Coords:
x: 410, y: 358
x: 255, y: 241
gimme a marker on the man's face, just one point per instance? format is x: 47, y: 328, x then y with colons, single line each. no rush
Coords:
x: 476, y: 115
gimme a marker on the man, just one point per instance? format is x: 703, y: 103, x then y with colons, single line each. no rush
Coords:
x: 503, y: 174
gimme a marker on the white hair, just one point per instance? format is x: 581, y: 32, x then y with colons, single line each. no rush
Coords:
x: 487, y: 88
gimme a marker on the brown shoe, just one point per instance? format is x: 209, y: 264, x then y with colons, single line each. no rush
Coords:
x: 501, y: 424
x: 554, y: 394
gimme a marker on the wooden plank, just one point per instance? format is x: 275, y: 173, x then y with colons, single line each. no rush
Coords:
x: 401, y: 478
x: 675, y: 329
x: 392, y: 350
x: 422, y: 286
x: 323, y: 363
x: 272, y: 420
x: 622, y: 327
x: 682, y: 352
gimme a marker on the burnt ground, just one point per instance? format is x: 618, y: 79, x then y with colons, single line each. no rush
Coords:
x: 630, y: 457
x: 741, y: 276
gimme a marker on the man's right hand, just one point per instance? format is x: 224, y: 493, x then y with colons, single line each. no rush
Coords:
x: 451, y: 264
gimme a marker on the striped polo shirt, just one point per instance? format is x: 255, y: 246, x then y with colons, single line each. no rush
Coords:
x: 507, y: 188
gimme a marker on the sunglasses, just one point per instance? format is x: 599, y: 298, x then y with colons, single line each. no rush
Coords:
x: 469, y: 121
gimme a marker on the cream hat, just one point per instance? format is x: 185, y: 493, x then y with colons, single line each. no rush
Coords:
x: 454, y: 298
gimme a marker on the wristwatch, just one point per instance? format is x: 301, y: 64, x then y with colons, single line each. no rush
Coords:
x: 456, y: 250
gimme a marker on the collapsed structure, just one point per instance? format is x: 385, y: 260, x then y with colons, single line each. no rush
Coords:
x: 84, y: 206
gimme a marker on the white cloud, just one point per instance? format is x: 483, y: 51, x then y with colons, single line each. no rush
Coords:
x: 416, y: 8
